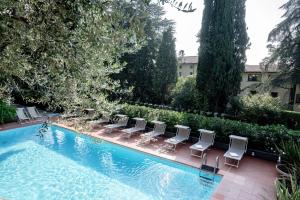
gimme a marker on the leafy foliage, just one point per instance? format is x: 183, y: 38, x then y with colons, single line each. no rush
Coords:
x: 288, y: 189
x: 291, y: 156
x: 284, y: 45
x: 291, y: 119
x: 235, y: 106
x: 7, y: 112
x: 141, y: 66
x: 261, y: 108
x: 186, y: 96
x: 223, y: 42
x: 61, y: 53
x: 260, y: 137
x: 180, y: 5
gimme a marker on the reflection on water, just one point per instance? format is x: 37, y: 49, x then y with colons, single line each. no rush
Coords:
x: 48, y: 137
x: 80, y: 146
x: 64, y: 165
x: 60, y: 137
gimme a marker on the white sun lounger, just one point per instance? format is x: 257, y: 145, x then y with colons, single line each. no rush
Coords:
x: 183, y: 134
x: 140, y: 125
x: 159, y: 129
x: 21, y: 114
x: 100, y: 121
x: 33, y: 112
x: 122, y: 122
x: 237, y: 148
x: 206, y: 139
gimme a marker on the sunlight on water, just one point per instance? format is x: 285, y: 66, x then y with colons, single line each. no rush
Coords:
x: 65, y: 165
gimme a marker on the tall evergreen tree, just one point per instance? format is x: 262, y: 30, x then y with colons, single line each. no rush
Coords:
x: 284, y: 45
x: 223, y: 42
x: 166, y: 67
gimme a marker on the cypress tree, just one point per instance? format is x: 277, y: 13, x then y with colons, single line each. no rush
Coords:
x: 166, y: 67
x: 223, y: 42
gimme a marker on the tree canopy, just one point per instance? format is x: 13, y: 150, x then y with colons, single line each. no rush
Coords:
x: 284, y: 45
x: 60, y: 53
x: 141, y: 67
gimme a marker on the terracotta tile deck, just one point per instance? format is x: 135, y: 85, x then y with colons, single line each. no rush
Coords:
x: 253, y: 180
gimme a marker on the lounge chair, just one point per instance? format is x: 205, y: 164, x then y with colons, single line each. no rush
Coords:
x: 33, y: 112
x: 72, y: 114
x: 102, y: 120
x: 140, y: 125
x: 122, y: 122
x: 183, y: 134
x: 237, y: 148
x: 21, y: 114
x: 159, y: 129
x: 206, y: 139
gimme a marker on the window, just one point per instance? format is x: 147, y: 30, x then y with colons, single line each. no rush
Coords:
x: 298, y: 98
x: 191, y: 73
x: 274, y: 94
x: 180, y: 66
x: 192, y: 67
x: 254, y: 77
x: 180, y: 74
x: 253, y: 92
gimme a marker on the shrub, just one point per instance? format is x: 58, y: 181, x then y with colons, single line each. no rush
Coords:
x: 260, y: 137
x: 288, y: 189
x: 235, y: 106
x: 7, y: 113
x: 186, y: 96
x: 290, y: 151
x: 261, y: 109
x: 291, y: 118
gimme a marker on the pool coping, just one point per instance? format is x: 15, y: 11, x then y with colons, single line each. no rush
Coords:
x: 130, y: 148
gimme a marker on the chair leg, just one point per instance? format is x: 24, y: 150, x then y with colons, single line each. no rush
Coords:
x: 234, y: 165
x: 200, y: 156
x: 109, y: 130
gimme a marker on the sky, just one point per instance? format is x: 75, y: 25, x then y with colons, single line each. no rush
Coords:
x: 261, y: 17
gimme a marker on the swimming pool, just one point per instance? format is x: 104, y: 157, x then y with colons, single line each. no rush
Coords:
x: 67, y: 165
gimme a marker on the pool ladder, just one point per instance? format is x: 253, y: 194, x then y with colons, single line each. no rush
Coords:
x: 208, y: 172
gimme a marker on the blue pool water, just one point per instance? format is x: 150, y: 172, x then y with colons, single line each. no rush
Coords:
x: 67, y: 165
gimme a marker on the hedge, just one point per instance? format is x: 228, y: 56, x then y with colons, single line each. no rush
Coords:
x: 291, y: 118
x: 262, y: 138
x: 7, y: 112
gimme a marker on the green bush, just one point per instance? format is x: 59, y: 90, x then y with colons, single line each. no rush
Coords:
x: 262, y: 138
x: 235, y: 106
x: 7, y: 112
x: 261, y: 109
x: 288, y: 189
x: 186, y: 96
x: 291, y: 118
x: 290, y: 152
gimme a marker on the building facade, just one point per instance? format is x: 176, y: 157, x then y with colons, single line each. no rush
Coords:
x: 254, y: 80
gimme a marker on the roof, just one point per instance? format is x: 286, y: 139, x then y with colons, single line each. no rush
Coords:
x: 259, y: 68
x: 248, y: 68
x: 188, y: 59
